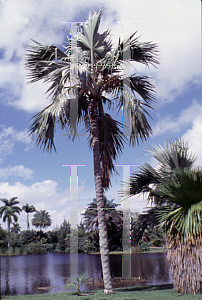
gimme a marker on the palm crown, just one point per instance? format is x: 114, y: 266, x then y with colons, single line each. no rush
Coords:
x: 41, y: 219
x: 9, y: 209
x: 90, y: 67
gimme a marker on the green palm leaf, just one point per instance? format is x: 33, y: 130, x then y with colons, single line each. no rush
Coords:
x: 185, y: 192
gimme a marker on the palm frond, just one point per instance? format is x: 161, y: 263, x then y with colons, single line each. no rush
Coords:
x: 141, y: 86
x: 111, y: 145
x: 139, y: 182
x: 61, y: 69
x: 89, y: 39
x: 145, y: 53
x: 44, y: 127
x: 44, y: 61
x: 130, y: 49
x: 185, y: 192
x: 173, y: 155
x: 59, y: 110
x: 140, y: 128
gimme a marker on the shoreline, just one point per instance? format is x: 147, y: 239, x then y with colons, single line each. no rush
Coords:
x: 152, y: 250
x: 133, y: 251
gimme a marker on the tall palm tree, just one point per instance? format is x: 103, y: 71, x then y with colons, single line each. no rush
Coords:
x: 28, y: 209
x: 176, y: 189
x: 16, y: 227
x: 41, y: 219
x: 8, y: 211
x: 84, y: 78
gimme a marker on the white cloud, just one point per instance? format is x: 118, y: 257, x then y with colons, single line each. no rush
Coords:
x: 18, y: 171
x: 173, y: 25
x: 194, y: 137
x: 8, y: 137
x: 176, y: 27
x: 170, y: 124
x: 22, y: 137
x: 44, y: 196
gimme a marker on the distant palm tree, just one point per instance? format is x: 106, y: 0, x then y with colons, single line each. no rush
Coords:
x: 16, y: 227
x: 143, y: 225
x: 28, y: 209
x: 82, y: 77
x: 176, y: 189
x: 41, y: 219
x: 90, y: 216
x: 114, y: 220
x: 8, y: 211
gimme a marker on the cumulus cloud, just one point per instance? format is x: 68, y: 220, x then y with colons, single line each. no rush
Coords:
x: 17, y: 171
x: 8, y: 137
x: 170, y: 124
x: 174, y: 26
x: 44, y: 196
x: 194, y: 137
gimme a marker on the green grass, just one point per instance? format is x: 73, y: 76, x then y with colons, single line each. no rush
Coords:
x: 157, y: 292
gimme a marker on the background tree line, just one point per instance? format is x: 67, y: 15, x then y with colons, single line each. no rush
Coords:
x: 17, y: 242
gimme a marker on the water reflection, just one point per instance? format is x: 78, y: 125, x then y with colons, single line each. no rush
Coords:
x: 48, y: 273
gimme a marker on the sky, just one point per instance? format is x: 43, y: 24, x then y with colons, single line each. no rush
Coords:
x: 37, y: 177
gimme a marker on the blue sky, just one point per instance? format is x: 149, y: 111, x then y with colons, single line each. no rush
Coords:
x: 37, y: 177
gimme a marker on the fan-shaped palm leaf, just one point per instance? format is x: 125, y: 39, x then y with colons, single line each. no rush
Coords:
x: 185, y: 192
x: 173, y: 156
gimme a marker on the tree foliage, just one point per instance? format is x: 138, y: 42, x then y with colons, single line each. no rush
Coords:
x: 41, y: 219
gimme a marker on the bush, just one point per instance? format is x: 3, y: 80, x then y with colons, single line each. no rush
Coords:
x: 36, y: 248
x: 17, y: 251
x: 143, y: 246
x: 3, y: 238
x: 27, y: 236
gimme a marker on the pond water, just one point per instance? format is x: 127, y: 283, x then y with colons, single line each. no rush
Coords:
x: 48, y: 273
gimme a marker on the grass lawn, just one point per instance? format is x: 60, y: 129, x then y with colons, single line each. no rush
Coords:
x: 158, y: 292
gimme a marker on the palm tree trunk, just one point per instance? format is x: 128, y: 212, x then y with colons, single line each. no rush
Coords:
x: 103, y: 238
x: 185, y: 264
x: 28, y: 221
x: 8, y: 236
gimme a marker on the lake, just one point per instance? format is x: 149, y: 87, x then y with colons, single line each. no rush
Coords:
x: 48, y: 273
